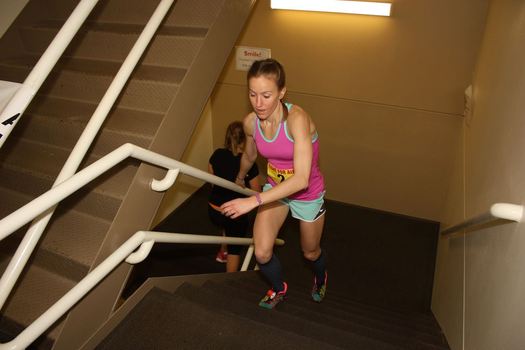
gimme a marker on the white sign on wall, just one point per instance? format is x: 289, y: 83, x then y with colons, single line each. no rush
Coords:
x: 244, y: 56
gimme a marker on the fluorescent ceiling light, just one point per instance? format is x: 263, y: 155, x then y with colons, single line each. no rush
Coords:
x: 357, y: 7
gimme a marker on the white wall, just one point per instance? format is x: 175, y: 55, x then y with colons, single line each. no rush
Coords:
x: 480, y: 279
x: 9, y: 9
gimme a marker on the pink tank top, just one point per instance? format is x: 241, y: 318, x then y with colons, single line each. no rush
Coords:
x: 279, y: 153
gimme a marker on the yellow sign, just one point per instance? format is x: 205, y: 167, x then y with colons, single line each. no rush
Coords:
x: 279, y: 175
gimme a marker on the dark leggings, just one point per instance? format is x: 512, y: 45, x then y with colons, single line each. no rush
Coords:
x: 232, y: 227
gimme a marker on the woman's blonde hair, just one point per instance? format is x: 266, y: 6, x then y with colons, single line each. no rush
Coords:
x: 235, y: 137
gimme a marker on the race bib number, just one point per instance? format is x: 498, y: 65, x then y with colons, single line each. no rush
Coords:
x: 279, y: 175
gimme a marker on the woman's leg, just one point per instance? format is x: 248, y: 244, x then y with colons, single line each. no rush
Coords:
x: 311, y: 233
x: 235, y: 228
x: 268, y: 221
x: 218, y: 220
x: 232, y: 263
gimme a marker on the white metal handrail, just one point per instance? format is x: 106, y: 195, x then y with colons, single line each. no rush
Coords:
x: 127, y: 251
x: 52, y: 197
x: 17, y: 105
x: 506, y: 211
x: 37, y: 227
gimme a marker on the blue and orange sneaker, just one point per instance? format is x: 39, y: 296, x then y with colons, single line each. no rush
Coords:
x: 319, y: 291
x: 273, y: 298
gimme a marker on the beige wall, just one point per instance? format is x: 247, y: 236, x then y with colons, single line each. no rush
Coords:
x: 9, y: 9
x: 197, y: 154
x: 493, y: 258
x: 385, y: 93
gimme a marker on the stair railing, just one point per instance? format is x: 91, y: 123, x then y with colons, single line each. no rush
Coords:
x: 144, y: 241
x: 53, y: 196
x: 128, y: 250
x: 31, y: 238
x: 12, y: 112
x: 505, y: 211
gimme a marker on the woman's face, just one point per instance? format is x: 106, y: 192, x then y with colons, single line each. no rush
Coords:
x: 264, y: 95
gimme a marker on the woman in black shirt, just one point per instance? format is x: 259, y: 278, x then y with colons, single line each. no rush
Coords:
x: 225, y: 163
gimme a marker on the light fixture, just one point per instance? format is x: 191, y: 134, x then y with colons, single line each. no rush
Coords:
x: 357, y: 7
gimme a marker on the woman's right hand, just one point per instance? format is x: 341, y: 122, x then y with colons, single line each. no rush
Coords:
x: 240, y: 182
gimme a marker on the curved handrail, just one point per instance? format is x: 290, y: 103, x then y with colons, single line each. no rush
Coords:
x: 127, y: 251
x: 47, y: 200
x: 505, y: 211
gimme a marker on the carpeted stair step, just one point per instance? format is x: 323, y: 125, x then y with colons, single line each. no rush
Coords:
x: 165, y: 321
x: 346, y: 308
x: 392, y: 311
x: 300, y: 304
x: 279, y: 318
x: 173, y: 46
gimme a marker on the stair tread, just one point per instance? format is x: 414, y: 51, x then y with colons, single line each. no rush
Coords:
x: 44, y: 130
x: 300, y: 305
x: 75, y: 236
x: 36, y: 291
x: 281, y: 319
x: 169, y: 74
x: 46, y: 161
x: 163, y: 50
x: 131, y: 120
x: 128, y: 28
x: 179, y: 321
x: 86, y: 200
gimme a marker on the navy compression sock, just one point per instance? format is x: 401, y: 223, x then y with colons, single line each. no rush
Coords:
x: 319, y: 268
x: 273, y: 272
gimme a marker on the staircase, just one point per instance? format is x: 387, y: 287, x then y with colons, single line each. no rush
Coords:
x: 221, y: 312
x: 380, y: 282
x: 158, y: 110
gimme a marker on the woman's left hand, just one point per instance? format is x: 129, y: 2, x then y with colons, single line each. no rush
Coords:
x: 237, y: 207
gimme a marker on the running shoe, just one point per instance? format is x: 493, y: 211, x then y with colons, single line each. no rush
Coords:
x: 272, y: 298
x: 221, y: 256
x: 319, y: 291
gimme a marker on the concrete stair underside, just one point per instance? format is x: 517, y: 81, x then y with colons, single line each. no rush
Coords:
x: 33, y: 155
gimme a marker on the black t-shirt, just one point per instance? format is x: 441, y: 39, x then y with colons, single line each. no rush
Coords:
x: 226, y: 165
